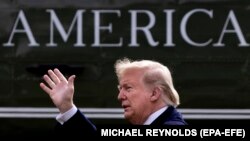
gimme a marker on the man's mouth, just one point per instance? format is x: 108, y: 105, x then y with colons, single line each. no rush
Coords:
x: 125, y: 107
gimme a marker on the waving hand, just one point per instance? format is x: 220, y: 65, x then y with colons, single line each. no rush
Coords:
x: 59, y: 89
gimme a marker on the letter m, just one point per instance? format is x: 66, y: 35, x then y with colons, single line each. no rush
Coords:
x: 55, y: 22
x: 104, y: 132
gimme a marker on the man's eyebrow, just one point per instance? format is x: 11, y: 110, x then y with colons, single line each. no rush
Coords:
x: 122, y: 85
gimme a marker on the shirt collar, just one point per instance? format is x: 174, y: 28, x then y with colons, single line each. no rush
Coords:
x: 155, y: 115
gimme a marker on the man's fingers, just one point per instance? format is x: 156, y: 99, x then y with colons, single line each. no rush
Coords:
x: 45, y: 88
x: 49, y: 81
x: 71, y: 80
x: 60, y: 75
x: 54, y: 77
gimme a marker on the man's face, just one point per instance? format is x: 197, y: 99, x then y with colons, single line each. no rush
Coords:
x: 134, y: 96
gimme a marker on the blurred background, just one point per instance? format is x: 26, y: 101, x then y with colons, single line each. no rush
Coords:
x: 205, y: 44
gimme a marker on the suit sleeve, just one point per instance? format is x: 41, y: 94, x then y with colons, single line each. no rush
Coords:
x: 78, y: 125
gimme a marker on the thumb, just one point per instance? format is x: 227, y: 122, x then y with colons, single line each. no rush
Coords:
x: 71, y: 80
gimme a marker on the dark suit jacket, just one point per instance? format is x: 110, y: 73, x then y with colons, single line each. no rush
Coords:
x: 79, y: 125
x: 169, y: 117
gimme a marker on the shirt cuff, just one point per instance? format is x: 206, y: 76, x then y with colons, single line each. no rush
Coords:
x: 62, y: 118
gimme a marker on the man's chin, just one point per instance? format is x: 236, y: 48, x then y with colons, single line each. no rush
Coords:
x: 127, y: 115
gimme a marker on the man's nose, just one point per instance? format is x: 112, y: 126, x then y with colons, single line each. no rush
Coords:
x: 121, y: 95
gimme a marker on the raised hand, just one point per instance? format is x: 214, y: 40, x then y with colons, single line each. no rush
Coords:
x: 59, y: 89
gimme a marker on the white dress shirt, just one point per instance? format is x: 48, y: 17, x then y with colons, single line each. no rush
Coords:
x: 63, y: 117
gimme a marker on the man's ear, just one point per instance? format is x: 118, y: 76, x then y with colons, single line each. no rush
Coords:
x: 156, y: 93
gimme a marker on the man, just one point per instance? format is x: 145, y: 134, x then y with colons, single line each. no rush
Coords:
x: 146, y: 93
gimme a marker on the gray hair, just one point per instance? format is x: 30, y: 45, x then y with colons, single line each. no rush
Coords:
x: 155, y: 74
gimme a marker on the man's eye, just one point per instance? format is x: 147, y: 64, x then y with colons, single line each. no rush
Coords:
x: 128, y: 88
